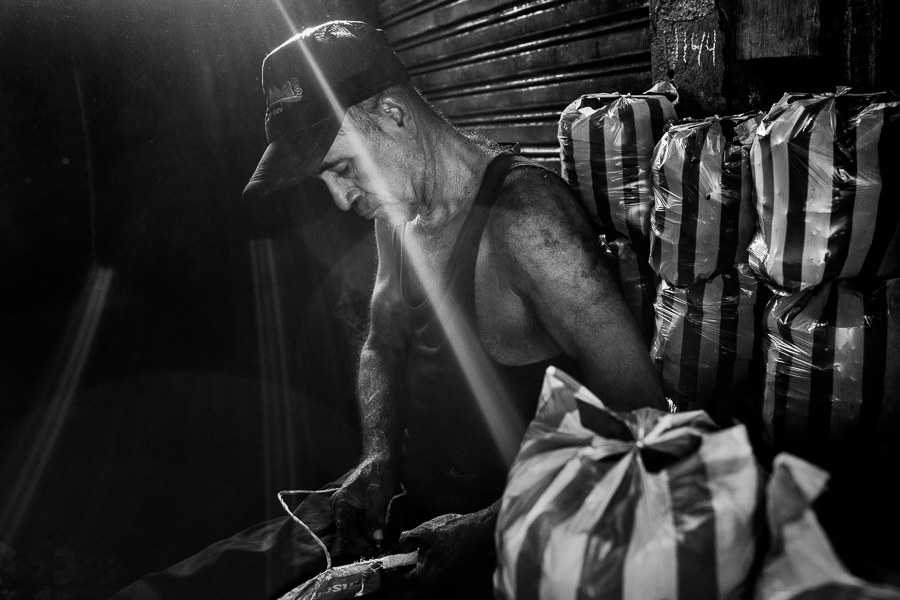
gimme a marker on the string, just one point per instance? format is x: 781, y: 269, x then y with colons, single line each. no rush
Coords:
x: 321, y: 544
x: 284, y: 493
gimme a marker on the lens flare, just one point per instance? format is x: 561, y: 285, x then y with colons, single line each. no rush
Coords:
x: 74, y: 351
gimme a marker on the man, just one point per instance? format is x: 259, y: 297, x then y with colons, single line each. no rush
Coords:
x: 488, y: 272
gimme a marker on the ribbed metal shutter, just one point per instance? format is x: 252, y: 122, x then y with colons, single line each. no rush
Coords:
x: 507, y: 68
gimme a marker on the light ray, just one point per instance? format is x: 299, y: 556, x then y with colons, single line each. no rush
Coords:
x: 493, y: 401
x: 279, y: 440
x: 76, y: 349
x: 492, y: 398
x: 317, y: 71
x: 278, y: 435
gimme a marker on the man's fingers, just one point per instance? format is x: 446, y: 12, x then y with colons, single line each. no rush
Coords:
x: 352, y: 538
x: 348, y: 519
x: 348, y: 513
x: 360, y: 506
x: 407, y: 543
x: 377, y: 503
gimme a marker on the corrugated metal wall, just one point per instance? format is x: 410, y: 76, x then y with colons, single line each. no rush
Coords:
x: 507, y: 68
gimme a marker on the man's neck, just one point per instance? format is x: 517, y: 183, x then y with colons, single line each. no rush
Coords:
x: 455, y: 166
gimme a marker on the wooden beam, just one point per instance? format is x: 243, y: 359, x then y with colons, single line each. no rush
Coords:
x: 776, y: 29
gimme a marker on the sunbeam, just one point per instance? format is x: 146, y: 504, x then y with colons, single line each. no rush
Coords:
x: 279, y: 441
x: 493, y: 401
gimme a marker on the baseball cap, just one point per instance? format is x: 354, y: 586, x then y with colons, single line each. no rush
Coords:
x: 309, y: 82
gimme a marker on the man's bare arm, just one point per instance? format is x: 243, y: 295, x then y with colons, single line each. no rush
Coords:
x: 557, y: 268
x: 380, y: 393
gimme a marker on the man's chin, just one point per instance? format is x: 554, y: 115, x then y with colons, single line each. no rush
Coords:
x: 394, y: 217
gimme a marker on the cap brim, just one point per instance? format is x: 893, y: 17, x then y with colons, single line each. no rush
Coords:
x: 293, y: 158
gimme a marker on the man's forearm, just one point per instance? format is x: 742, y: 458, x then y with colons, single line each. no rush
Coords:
x: 381, y: 407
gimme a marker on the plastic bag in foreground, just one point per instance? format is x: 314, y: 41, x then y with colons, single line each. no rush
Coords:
x: 801, y: 564
x: 640, y: 505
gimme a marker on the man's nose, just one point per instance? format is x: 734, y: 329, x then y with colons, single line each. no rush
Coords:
x: 343, y: 194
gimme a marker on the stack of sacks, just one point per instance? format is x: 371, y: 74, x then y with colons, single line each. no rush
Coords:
x: 704, y: 341
x: 828, y: 237
x: 606, y: 145
x: 702, y: 222
x: 832, y: 370
x: 702, y: 219
x: 646, y: 504
x: 823, y: 210
x: 609, y: 139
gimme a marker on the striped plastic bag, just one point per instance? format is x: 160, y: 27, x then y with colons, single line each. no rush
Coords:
x: 821, y: 211
x: 637, y: 281
x: 606, y: 146
x: 832, y: 381
x: 703, y: 216
x: 704, y: 341
x: 801, y: 563
x: 642, y: 505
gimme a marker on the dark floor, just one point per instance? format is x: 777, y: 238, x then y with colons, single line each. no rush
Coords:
x: 126, y: 493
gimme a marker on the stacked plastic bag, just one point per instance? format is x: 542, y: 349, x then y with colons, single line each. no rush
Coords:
x: 608, y: 140
x: 822, y: 210
x: 704, y: 340
x: 606, y: 146
x: 827, y: 239
x: 703, y: 217
x: 646, y: 504
x: 702, y: 222
x: 800, y: 194
x: 832, y: 370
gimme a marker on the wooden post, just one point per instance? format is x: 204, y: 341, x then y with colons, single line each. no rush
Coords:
x: 777, y: 29
x: 687, y: 46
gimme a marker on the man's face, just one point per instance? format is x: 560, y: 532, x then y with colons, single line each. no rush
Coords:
x: 366, y: 172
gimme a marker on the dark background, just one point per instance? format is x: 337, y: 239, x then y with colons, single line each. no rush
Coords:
x: 148, y: 416
x: 171, y: 357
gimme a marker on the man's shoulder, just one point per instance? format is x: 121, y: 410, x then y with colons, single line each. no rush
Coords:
x: 531, y: 185
x: 538, y: 227
x: 534, y: 200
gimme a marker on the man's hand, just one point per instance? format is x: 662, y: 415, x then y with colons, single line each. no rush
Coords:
x: 451, y: 548
x: 360, y: 507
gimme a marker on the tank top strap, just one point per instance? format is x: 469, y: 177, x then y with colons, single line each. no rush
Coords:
x: 466, y: 252
x: 461, y: 266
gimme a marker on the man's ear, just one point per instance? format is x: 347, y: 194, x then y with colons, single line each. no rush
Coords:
x: 398, y: 111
